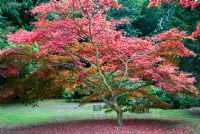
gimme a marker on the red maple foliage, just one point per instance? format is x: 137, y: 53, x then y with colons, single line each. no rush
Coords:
x: 197, y: 32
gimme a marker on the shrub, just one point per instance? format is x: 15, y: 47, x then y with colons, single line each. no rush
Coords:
x: 178, y: 101
x: 67, y: 95
x: 187, y: 101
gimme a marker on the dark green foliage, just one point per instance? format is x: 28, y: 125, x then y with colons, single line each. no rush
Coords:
x: 164, y: 96
x: 3, y: 41
x: 17, y: 13
x: 144, y: 21
x: 192, y: 64
x: 184, y: 18
x: 67, y: 95
x: 177, y: 101
x: 188, y: 101
x: 139, y: 104
x: 79, y: 94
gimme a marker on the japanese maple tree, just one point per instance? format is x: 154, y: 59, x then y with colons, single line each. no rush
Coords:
x: 94, y: 54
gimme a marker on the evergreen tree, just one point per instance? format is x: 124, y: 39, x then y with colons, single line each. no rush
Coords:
x: 15, y: 14
x: 143, y: 20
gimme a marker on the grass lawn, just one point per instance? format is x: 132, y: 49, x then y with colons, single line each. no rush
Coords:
x: 59, y: 111
x: 47, y: 112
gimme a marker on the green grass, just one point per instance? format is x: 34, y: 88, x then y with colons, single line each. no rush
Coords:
x: 40, y: 103
x: 9, y: 118
x: 180, y: 114
x: 18, y: 114
x: 58, y: 111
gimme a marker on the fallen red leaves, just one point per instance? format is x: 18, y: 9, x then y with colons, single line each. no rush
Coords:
x: 104, y: 127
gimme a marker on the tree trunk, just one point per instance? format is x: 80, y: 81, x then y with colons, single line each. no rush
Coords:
x: 119, y: 119
x: 114, y: 106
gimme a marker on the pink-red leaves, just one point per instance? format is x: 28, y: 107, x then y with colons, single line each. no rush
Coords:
x: 94, y: 38
x: 197, y: 32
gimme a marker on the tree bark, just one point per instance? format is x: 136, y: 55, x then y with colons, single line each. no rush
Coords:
x: 120, y: 118
x: 113, y: 105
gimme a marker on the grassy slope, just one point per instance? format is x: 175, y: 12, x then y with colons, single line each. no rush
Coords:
x: 58, y: 111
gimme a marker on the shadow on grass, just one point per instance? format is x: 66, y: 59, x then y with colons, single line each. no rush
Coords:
x: 131, y: 126
x: 195, y: 111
